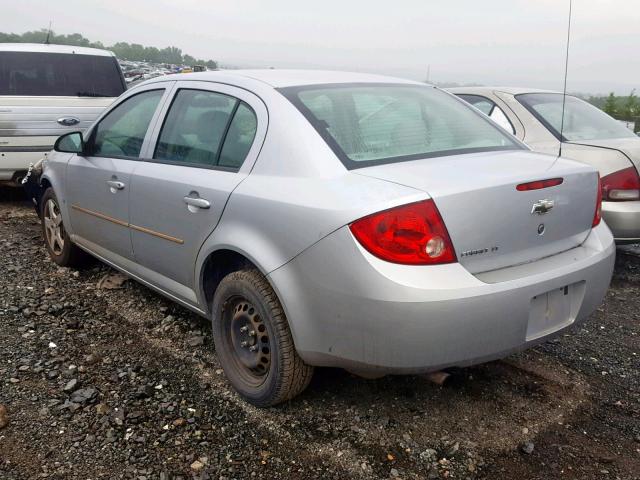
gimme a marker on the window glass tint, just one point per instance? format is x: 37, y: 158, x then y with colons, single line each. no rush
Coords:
x: 59, y: 74
x: 582, y: 121
x: 383, y: 123
x: 195, y: 127
x: 122, y: 131
x: 239, y: 138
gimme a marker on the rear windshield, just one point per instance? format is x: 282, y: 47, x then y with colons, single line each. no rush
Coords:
x: 59, y: 74
x: 582, y: 121
x: 371, y: 124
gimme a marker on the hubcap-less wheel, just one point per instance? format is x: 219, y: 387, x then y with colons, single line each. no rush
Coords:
x: 253, y: 340
x: 250, y: 339
x: 53, y: 227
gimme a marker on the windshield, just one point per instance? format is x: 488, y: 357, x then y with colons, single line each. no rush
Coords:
x: 59, y: 74
x: 370, y: 124
x: 582, y: 121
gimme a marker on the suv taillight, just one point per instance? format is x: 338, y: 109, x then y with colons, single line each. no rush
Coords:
x: 621, y: 185
x: 412, y: 234
x: 597, y: 216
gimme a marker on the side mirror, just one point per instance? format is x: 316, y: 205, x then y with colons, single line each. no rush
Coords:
x: 69, y: 143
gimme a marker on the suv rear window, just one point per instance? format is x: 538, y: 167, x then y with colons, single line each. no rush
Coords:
x: 371, y: 124
x: 59, y: 74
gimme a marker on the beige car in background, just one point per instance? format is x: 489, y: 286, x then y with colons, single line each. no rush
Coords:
x: 46, y: 91
x: 589, y: 135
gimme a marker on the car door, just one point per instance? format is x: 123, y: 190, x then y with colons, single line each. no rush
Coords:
x: 98, y: 181
x: 204, y: 144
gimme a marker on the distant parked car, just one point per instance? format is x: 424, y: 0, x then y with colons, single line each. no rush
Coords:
x: 331, y: 219
x: 589, y: 136
x: 46, y: 91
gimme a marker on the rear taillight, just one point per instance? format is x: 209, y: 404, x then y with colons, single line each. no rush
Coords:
x: 621, y: 185
x: 597, y: 216
x: 412, y: 234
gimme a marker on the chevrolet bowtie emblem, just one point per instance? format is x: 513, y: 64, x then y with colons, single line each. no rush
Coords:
x: 542, y: 206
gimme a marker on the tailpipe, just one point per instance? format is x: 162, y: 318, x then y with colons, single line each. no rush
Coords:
x: 439, y: 378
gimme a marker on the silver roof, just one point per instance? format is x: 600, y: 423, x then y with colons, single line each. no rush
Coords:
x: 286, y: 78
x: 48, y: 48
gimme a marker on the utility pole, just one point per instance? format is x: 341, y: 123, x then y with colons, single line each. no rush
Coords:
x: 46, y: 42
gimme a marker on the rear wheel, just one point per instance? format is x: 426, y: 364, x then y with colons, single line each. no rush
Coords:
x: 57, y: 240
x: 253, y: 341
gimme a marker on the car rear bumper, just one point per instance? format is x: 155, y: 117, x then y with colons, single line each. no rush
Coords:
x: 349, y: 309
x: 17, y: 162
x: 623, y: 218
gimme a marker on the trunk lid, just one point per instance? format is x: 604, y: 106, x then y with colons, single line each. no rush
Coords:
x: 490, y: 223
x: 628, y: 146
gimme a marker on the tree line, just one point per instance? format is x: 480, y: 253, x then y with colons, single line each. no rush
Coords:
x: 622, y: 107
x: 122, y: 50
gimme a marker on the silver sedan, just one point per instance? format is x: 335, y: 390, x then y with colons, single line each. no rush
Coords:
x: 331, y: 219
x: 588, y: 135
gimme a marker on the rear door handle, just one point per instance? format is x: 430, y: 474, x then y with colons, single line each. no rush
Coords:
x: 115, y: 185
x: 197, y: 202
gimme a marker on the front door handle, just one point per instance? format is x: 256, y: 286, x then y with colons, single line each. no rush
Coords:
x: 197, y: 202
x: 115, y: 185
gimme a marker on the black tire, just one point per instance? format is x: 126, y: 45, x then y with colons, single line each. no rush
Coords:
x: 66, y: 254
x: 245, y: 299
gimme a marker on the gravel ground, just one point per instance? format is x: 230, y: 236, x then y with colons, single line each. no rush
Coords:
x: 122, y: 383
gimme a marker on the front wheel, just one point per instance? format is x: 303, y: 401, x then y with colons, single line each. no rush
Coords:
x: 253, y: 341
x: 57, y: 240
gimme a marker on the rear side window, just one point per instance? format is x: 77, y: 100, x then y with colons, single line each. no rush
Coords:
x: 370, y: 124
x: 490, y: 109
x: 240, y: 137
x: 59, y: 74
x: 121, y: 132
x: 207, y: 129
x: 481, y: 103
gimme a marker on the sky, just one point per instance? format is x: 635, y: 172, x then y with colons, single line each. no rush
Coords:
x: 488, y: 42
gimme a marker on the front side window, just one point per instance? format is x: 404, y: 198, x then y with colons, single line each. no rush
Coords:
x: 582, y: 121
x: 490, y: 109
x: 59, y: 74
x: 121, y: 132
x: 206, y: 128
x: 382, y: 123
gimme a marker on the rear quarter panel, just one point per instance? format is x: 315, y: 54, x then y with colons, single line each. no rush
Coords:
x: 270, y: 219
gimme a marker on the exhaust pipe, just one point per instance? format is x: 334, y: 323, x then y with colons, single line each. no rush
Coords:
x: 439, y: 378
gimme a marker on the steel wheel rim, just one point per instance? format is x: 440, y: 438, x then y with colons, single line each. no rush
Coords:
x: 248, y: 339
x: 53, y: 227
